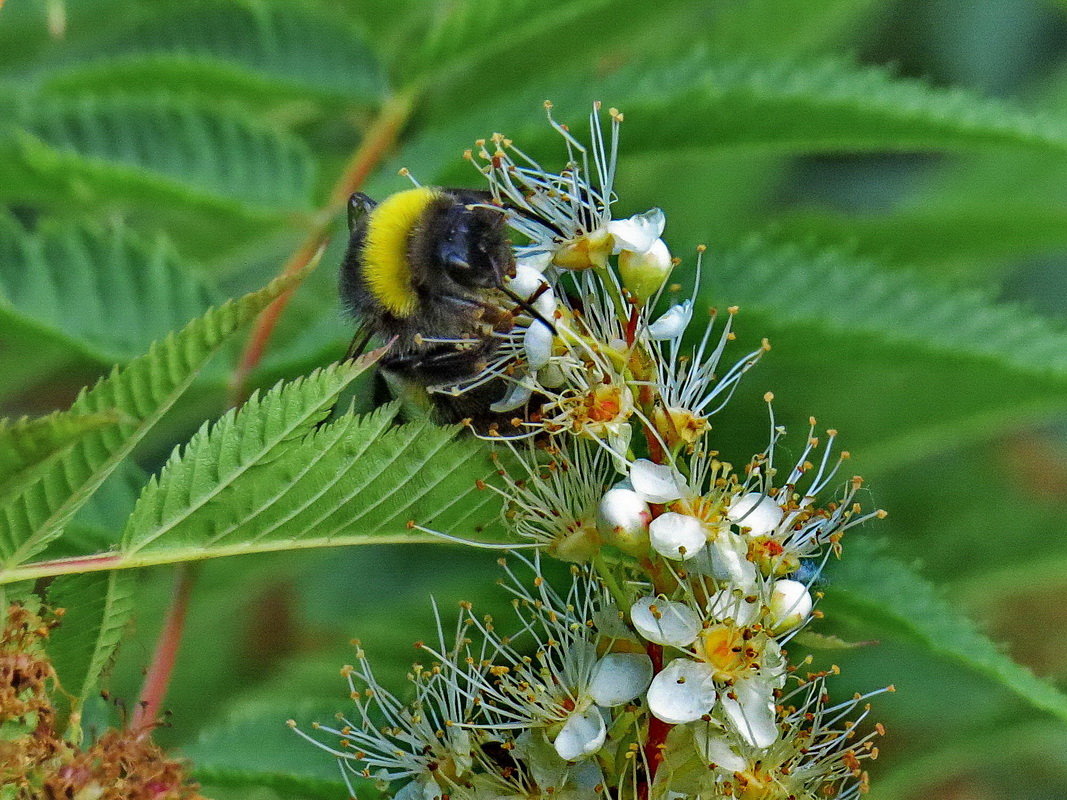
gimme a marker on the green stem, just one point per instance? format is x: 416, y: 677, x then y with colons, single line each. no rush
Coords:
x: 606, y: 575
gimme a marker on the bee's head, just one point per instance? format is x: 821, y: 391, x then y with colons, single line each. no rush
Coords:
x: 470, y: 243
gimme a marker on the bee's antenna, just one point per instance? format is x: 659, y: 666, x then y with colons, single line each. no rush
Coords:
x: 529, y: 309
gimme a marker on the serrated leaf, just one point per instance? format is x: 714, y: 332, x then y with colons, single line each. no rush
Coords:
x: 700, y: 102
x: 106, y: 291
x: 264, y: 51
x: 965, y: 236
x: 883, y: 592
x: 98, y: 606
x: 839, y: 295
x: 194, y: 485
x: 473, y: 31
x: 98, y: 149
x: 28, y: 446
x: 356, y: 480
x: 359, y: 476
x: 143, y: 390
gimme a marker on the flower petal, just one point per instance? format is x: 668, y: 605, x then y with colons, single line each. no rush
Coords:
x: 677, y: 536
x: 673, y: 322
x: 683, y: 692
x: 620, y: 677
x: 582, y: 734
x: 790, y: 605
x: 637, y: 233
x: 714, y: 746
x: 729, y: 561
x: 518, y: 394
x: 752, y: 712
x: 658, y: 483
x: 537, y: 342
x: 536, y: 258
x: 527, y: 280
x: 665, y: 621
x: 756, y: 512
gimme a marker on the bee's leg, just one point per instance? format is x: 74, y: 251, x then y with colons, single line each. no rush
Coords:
x: 439, y: 364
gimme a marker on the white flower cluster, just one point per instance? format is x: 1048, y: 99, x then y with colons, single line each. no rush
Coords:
x: 663, y: 670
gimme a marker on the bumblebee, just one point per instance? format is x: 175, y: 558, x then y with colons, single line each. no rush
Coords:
x: 426, y: 269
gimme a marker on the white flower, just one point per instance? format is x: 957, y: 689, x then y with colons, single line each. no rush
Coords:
x: 673, y: 322
x: 684, y: 691
x: 638, y: 233
x: 620, y: 677
x: 665, y: 621
x: 756, y: 513
x: 657, y: 483
x: 749, y: 703
x: 677, y: 536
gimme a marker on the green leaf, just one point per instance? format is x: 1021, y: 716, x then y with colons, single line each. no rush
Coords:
x: 104, y: 290
x: 469, y: 32
x: 143, y: 391
x: 98, y: 150
x: 254, y: 747
x: 834, y: 294
x: 249, y: 483
x: 29, y: 446
x: 259, y: 51
x: 98, y: 607
x: 273, y: 481
x: 771, y: 29
x: 964, y: 236
x: 883, y: 592
x: 181, y: 506
x: 700, y: 102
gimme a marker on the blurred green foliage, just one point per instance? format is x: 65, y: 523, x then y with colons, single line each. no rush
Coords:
x: 899, y: 232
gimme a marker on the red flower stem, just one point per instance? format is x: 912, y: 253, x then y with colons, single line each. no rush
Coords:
x: 157, y: 679
x: 656, y: 736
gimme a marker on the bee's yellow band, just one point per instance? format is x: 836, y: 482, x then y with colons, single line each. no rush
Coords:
x: 385, y: 249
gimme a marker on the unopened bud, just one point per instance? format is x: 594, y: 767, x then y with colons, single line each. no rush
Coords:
x: 622, y: 519
x: 644, y: 273
x: 790, y: 605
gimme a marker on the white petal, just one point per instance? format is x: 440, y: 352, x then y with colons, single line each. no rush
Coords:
x: 790, y: 605
x: 755, y: 511
x: 527, y: 280
x: 729, y: 561
x: 518, y: 394
x: 620, y: 677
x: 673, y: 322
x: 583, y: 734
x: 752, y: 713
x: 545, y: 304
x: 683, y: 692
x: 726, y: 604
x: 537, y: 342
x: 585, y: 776
x: 677, y: 536
x: 714, y: 747
x: 659, y: 483
x: 536, y: 259
x: 670, y: 623
x: 639, y: 232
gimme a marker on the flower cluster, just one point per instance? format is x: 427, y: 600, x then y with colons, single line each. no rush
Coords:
x: 662, y: 670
